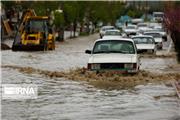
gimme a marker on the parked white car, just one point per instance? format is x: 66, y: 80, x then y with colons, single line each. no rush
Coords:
x: 145, y: 43
x: 114, y: 54
x: 103, y: 30
x: 157, y: 37
x: 112, y: 33
x: 130, y: 30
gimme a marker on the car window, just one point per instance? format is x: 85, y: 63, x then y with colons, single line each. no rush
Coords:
x: 143, y: 40
x: 130, y: 27
x: 142, y: 25
x: 114, y: 46
x: 109, y: 28
x: 155, y: 35
x: 112, y: 33
x: 159, y: 29
x: 36, y: 25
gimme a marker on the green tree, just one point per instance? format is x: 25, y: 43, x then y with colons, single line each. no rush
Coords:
x: 59, y: 24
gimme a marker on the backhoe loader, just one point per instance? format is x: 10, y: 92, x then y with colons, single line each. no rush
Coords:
x: 34, y: 33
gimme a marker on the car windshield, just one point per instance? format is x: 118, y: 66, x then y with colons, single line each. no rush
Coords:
x: 37, y: 25
x: 143, y: 40
x: 155, y: 35
x: 130, y: 27
x: 109, y: 28
x: 113, y: 33
x: 142, y: 25
x: 114, y: 46
x: 159, y: 29
x: 158, y: 15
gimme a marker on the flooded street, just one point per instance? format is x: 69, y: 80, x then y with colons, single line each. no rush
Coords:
x: 64, y: 99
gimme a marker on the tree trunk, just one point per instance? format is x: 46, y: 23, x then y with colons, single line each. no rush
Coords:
x: 71, y: 31
x: 176, y: 39
x: 60, y: 34
x: 81, y: 28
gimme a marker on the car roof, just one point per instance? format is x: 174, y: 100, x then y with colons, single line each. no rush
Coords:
x: 116, y: 30
x: 158, y: 12
x: 115, y: 38
x: 110, y: 36
x: 152, y: 32
x: 132, y: 25
x: 138, y: 36
x: 108, y: 27
x: 158, y: 26
x: 143, y: 23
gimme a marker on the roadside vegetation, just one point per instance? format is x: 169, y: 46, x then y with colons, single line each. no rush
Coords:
x: 172, y: 22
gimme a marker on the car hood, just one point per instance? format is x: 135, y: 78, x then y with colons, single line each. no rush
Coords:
x: 163, y: 33
x: 158, y: 40
x: 113, y: 58
x: 145, y: 46
x: 130, y: 30
x: 143, y: 29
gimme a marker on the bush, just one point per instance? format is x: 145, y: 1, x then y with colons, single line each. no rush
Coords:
x: 172, y: 23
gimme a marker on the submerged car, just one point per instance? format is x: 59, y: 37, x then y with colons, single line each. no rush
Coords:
x: 112, y: 33
x: 145, y: 43
x: 157, y: 37
x: 114, y: 54
x: 104, y: 29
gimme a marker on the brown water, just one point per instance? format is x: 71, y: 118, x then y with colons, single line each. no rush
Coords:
x: 65, y: 99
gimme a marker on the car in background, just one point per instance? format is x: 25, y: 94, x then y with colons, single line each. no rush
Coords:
x: 103, y: 30
x: 137, y: 20
x: 154, y: 24
x: 130, y: 30
x: 161, y: 31
x: 158, y: 16
x: 145, y: 43
x: 114, y: 54
x: 157, y: 37
x: 142, y: 27
x: 119, y: 25
x: 112, y: 33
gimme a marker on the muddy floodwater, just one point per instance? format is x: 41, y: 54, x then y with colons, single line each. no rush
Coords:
x: 60, y: 98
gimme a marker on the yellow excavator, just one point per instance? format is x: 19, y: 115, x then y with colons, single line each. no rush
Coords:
x: 34, y: 33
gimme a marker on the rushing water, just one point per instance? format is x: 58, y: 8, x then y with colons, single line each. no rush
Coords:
x: 61, y: 99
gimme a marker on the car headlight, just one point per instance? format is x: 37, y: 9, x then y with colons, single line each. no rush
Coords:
x: 128, y: 65
x: 95, y: 66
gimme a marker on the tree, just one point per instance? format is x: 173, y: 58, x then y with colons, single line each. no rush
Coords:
x: 59, y: 24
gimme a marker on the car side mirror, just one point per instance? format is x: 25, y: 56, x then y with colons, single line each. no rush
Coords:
x: 88, y: 51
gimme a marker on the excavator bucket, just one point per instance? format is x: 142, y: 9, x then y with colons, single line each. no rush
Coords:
x: 18, y: 46
x: 28, y: 48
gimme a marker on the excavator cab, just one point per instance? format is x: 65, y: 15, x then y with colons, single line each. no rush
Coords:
x: 34, y: 34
